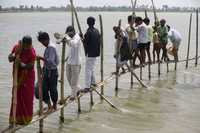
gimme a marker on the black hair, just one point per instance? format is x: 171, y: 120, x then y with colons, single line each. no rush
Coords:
x: 70, y: 29
x: 168, y: 27
x: 146, y: 21
x: 91, y: 21
x: 43, y: 36
x: 130, y: 18
x: 27, y: 40
x: 137, y: 19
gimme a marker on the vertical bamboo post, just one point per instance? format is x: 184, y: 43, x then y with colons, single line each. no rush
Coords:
x: 189, y: 40
x: 159, y: 68
x: 79, y: 104
x: 149, y: 68
x: 167, y: 66
x: 91, y: 99
x: 14, y: 92
x: 102, y: 56
x: 197, y: 36
x: 175, y: 64
x: 117, y: 61
x: 140, y: 72
x: 62, y: 80
x: 72, y: 15
x: 39, y: 74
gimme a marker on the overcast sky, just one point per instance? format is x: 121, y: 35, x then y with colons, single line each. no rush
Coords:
x: 47, y: 3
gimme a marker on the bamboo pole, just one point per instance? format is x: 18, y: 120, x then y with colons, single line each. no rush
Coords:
x: 117, y: 61
x: 91, y: 99
x: 62, y: 79
x: 154, y: 11
x: 39, y: 73
x: 72, y: 15
x: 189, y: 40
x: 140, y: 72
x: 14, y: 90
x: 133, y: 6
x: 159, y: 68
x: 149, y: 69
x: 102, y: 56
x: 167, y: 66
x: 76, y: 16
x: 197, y: 36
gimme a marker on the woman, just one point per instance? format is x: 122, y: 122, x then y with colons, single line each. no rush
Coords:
x: 25, y: 82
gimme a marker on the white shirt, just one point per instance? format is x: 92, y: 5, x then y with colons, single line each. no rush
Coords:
x: 142, y: 33
x: 174, y: 36
x: 150, y: 33
x: 74, y: 52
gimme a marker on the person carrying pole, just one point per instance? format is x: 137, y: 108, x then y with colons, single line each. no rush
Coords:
x: 50, y: 71
x: 73, y: 59
x: 92, y: 42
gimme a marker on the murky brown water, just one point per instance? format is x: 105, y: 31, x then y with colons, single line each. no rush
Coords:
x: 170, y: 105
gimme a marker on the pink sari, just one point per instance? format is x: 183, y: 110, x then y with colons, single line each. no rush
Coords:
x: 25, y: 90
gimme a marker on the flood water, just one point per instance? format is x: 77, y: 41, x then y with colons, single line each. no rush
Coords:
x: 170, y: 104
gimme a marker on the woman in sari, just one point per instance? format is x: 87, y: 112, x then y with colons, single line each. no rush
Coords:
x: 25, y: 81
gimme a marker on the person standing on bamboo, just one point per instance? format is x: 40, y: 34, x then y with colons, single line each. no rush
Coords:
x: 163, y: 37
x: 50, y: 71
x: 150, y: 38
x: 26, y: 79
x: 92, y: 51
x: 73, y: 66
x: 132, y: 37
x: 142, y: 36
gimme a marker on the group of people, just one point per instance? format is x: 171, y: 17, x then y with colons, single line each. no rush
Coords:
x: 135, y: 41
x: 24, y: 54
x: 138, y: 37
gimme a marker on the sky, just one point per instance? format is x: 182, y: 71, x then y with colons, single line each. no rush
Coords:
x: 85, y: 3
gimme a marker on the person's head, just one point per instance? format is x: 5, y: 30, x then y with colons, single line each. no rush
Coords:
x: 43, y: 37
x: 131, y: 19
x: 162, y: 22
x: 91, y: 21
x: 138, y: 21
x: 146, y: 21
x: 168, y: 27
x: 70, y: 31
x: 26, y: 42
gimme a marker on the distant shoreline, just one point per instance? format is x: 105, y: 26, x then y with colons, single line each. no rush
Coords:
x: 92, y: 11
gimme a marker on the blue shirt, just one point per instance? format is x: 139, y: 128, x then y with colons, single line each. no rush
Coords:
x: 51, y: 57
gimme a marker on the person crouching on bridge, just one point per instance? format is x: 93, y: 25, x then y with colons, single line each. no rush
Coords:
x: 73, y: 66
x: 92, y: 51
x: 25, y: 55
x: 50, y: 71
x: 175, y: 37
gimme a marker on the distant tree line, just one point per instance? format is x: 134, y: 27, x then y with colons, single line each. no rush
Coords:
x: 25, y: 8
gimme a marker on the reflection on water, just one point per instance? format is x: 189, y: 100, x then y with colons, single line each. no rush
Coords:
x: 169, y: 105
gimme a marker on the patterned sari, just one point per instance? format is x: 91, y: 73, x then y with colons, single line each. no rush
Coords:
x: 25, y: 89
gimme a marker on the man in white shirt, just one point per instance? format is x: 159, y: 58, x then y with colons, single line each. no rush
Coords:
x: 175, y: 37
x: 73, y: 66
x: 150, y: 37
x: 142, y: 36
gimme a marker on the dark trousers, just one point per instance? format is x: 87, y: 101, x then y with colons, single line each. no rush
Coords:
x: 49, y: 85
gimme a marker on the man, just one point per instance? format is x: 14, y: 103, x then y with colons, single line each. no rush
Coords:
x: 142, y: 36
x: 50, y: 71
x: 73, y: 66
x: 92, y: 51
x: 163, y: 37
x: 175, y: 38
x: 132, y: 37
x: 150, y: 37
